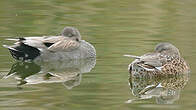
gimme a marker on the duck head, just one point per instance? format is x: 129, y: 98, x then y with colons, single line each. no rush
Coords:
x: 167, y: 48
x: 71, y: 33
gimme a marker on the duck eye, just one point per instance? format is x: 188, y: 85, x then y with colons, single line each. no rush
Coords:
x: 77, y: 39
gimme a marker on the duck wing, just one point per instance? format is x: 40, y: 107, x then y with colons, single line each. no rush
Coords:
x: 30, y: 41
x: 51, y: 43
x: 53, y: 39
x: 64, y: 46
x: 42, y: 42
x: 39, y: 42
x: 148, y: 61
x: 152, y: 61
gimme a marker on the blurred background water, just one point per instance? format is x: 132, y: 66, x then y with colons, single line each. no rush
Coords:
x: 115, y: 28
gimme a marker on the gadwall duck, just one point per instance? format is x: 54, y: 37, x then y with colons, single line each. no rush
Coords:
x: 165, y: 59
x: 66, y: 46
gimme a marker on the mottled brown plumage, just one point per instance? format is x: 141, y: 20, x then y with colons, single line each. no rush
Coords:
x: 160, y: 74
x: 164, y: 60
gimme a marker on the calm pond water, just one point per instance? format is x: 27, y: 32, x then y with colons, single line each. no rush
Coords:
x: 115, y: 28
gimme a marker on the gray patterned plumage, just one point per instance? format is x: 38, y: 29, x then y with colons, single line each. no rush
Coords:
x: 66, y: 46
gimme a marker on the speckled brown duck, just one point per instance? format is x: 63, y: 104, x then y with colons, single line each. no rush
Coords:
x: 165, y: 60
x: 160, y: 74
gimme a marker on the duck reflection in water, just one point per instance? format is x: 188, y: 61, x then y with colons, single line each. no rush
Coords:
x: 160, y: 74
x: 68, y: 72
x: 165, y: 89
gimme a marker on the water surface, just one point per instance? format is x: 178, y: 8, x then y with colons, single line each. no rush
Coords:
x: 115, y: 28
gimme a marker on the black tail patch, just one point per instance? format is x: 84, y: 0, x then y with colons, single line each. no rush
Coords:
x: 23, y: 52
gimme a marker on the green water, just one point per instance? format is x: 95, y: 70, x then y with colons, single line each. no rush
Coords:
x: 115, y: 28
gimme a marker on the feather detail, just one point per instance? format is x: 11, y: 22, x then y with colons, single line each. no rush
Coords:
x: 65, y: 46
x: 132, y: 56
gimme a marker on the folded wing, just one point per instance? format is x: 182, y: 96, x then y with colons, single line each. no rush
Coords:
x: 151, y: 61
x: 51, y: 43
x: 64, y: 45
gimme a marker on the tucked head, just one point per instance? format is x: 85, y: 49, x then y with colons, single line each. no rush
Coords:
x: 167, y: 47
x: 72, y: 33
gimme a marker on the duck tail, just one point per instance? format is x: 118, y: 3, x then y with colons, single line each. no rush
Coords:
x: 132, y: 56
x: 12, y: 39
x: 23, y: 52
x: 16, y: 39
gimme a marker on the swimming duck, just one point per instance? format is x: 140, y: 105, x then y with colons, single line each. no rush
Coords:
x: 48, y: 48
x: 165, y: 60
